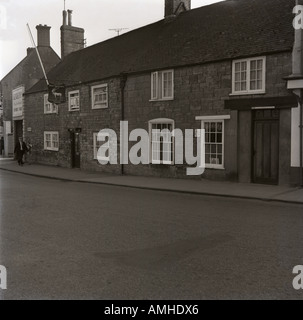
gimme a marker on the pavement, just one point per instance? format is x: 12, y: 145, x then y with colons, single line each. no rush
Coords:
x: 285, y: 194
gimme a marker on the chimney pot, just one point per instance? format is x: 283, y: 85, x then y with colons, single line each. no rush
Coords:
x: 64, y: 17
x: 172, y: 7
x: 69, y: 12
x: 29, y: 50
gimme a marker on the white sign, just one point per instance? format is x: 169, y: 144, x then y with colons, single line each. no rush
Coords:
x: 18, y: 102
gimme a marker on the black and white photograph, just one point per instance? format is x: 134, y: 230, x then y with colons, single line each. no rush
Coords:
x: 151, y: 152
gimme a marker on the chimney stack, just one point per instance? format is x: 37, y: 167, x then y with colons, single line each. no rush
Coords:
x: 72, y: 38
x: 43, y: 35
x: 174, y: 7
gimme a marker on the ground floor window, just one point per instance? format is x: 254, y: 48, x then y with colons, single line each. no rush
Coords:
x: 214, y: 143
x: 51, y: 141
x: 161, y: 141
x: 214, y: 127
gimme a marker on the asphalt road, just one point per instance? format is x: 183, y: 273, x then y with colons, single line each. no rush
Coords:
x: 63, y: 240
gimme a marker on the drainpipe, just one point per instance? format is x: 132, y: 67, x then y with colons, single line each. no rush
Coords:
x: 123, y: 79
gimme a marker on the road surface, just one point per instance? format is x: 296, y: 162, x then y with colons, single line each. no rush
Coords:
x: 62, y: 240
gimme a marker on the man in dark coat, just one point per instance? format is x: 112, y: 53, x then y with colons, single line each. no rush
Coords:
x: 20, y: 149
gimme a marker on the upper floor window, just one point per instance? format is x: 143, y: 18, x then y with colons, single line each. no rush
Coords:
x: 74, y: 101
x: 162, y: 85
x: 249, y: 76
x: 100, y: 96
x: 48, y: 106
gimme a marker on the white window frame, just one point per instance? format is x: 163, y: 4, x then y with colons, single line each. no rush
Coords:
x: 93, y: 96
x: 69, y: 100
x: 248, y: 90
x: 216, y: 119
x: 154, y: 90
x: 53, y: 107
x: 51, y: 133
x: 95, y: 142
x: 157, y: 94
x: 150, y: 125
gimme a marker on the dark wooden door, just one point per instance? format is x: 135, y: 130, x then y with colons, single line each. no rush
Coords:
x: 75, y: 149
x: 266, y: 147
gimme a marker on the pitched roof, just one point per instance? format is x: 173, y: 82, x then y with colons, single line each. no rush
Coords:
x: 225, y: 30
x: 49, y: 59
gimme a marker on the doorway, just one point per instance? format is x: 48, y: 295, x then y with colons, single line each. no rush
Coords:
x: 75, y: 148
x: 266, y: 146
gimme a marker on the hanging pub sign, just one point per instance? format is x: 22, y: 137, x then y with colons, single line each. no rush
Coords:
x: 56, y: 94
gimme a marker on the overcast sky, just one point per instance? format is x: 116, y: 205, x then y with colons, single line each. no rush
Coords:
x: 95, y: 16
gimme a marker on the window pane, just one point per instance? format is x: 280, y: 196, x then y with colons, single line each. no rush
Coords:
x: 167, y: 84
x: 253, y: 75
x: 207, y: 137
x: 220, y: 149
x: 207, y: 158
x: 154, y: 85
x: 219, y: 137
x: 238, y: 67
x: 213, y: 149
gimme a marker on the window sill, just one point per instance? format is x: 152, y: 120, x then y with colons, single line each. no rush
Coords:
x: 97, y: 108
x: 214, y: 167
x: 78, y: 110
x: 246, y: 93
x: 161, y: 164
x: 53, y: 150
x: 159, y: 100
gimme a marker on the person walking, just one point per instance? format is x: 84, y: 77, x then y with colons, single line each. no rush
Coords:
x: 20, y: 149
